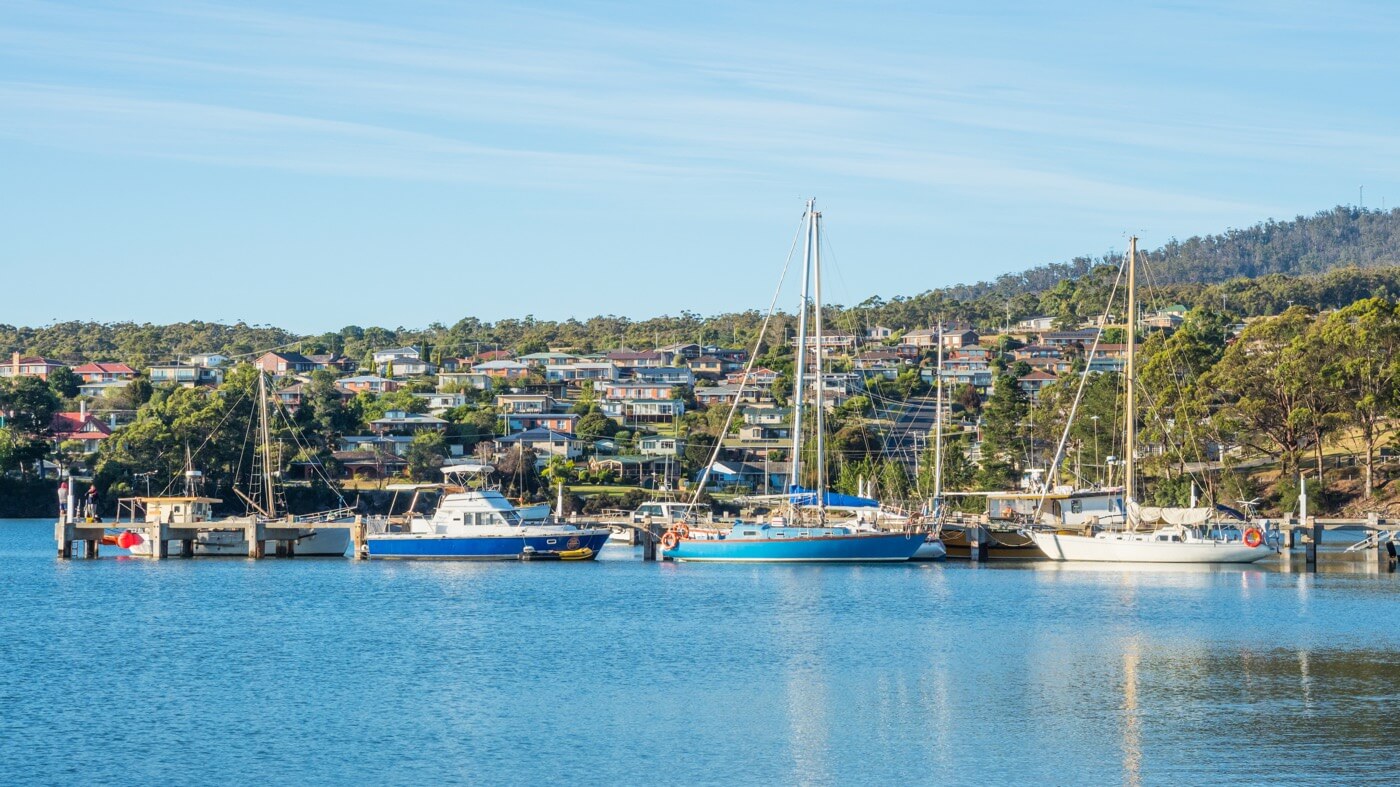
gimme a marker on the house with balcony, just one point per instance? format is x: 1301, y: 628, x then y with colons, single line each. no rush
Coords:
x: 1035, y: 382
x: 104, y: 372
x: 642, y: 410
x: 186, y: 374
x: 575, y: 374
x: 545, y: 443
x: 402, y: 423
x: 665, y: 375
x: 439, y: 403
x: 555, y: 422
x: 463, y: 380
x: 545, y: 359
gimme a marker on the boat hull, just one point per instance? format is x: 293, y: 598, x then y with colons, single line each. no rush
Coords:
x: 430, y: 546
x: 1004, y: 545
x: 1067, y: 547
x: 858, y: 548
x: 931, y: 549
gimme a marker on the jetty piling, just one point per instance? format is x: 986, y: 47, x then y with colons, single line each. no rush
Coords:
x: 978, y: 540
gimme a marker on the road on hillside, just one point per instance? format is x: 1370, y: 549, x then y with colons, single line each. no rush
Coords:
x: 910, y: 433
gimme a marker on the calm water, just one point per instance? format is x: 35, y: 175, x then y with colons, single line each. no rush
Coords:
x: 125, y: 671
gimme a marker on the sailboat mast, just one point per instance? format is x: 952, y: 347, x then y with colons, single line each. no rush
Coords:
x: 938, y: 426
x: 800, y: 367
x: 270, y: 507
x: 1130, y: 403
x: 818, y: 385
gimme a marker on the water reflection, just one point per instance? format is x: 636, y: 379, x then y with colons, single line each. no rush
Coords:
x: 1132, y: 734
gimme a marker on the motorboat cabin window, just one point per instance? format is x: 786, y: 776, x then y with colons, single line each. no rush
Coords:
x: 1076, y: 506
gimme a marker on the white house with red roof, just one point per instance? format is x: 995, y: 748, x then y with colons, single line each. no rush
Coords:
x: 29, y: 366
x: 104, y: 372
x: 81, y: 426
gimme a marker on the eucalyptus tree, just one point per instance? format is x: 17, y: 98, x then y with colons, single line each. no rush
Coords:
x: 1361, y: 363
x: 1256, y: 393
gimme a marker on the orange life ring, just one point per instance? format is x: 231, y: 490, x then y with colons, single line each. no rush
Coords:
x: 670, y: 540
x: 682, y: 530
x: 1253, y: 537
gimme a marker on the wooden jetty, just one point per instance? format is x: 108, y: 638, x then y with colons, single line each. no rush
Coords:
x: 186, y: 520
x: 89, y: 536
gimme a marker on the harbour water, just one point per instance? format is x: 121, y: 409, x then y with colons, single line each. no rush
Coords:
x: 317, y: 671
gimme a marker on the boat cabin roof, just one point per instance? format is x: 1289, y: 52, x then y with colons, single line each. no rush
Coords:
x: 150, y: 500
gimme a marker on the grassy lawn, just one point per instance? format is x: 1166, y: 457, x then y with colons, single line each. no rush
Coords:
x: 600, y: 489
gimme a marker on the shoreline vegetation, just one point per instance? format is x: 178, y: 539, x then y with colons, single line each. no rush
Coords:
x: 1270, y: 352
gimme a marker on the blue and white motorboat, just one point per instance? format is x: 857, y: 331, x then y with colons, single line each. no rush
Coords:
x: 481, y: 524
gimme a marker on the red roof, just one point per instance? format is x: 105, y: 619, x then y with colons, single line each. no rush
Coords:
x: 77, y: 426
x: 98, y: 367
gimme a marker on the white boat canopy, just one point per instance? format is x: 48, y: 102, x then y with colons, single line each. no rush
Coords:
x: 472, y: 467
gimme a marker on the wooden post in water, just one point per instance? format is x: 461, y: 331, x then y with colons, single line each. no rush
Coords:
x: 1314, y: 536
x: 358, y: 535
x: 186, y: 547
x: 91, y: 551
x: 252, y: 534
x: 977, y: 538
x: 649, y: 540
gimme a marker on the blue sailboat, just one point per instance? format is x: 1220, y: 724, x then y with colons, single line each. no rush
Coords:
x: 797, y: 541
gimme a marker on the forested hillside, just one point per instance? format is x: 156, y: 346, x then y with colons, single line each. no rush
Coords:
x: 1323, y: 261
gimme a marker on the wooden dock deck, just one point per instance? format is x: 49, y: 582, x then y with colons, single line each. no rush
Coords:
x: 70, y: 536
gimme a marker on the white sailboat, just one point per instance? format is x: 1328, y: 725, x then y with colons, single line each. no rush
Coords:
x: 1153, y: 535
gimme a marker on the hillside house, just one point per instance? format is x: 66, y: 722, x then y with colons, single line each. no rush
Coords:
x: 185, y: 374
x: 555, y: 422
x: 660, y: 445
x: 283, y: 364
x: 104, y: 372
x: 637, y: 359
x: 502, y: 369
x: 463, y: 380
x: 400, y: 422
x: 29, y: 366
x: 526, y: 403
x: 368, y: 383
x: 545, y: 443
x: 82, y: 427
x: 575, y: 373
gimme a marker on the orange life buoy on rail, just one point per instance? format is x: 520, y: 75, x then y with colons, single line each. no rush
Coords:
x: 670, y: 540
x: 682, y: 530
x: 1253, y: 537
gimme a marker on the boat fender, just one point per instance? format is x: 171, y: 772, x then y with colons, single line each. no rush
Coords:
x: 128, y: 539
x: 670, y: 540
x: 1253, y: 537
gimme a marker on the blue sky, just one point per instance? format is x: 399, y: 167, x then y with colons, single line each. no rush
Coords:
x: 317, y: 164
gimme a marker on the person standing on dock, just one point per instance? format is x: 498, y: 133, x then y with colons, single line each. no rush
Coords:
x: 63, y: 500
x: 91, y: 504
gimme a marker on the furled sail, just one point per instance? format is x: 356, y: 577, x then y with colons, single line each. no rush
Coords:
x: 1150, y: 515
